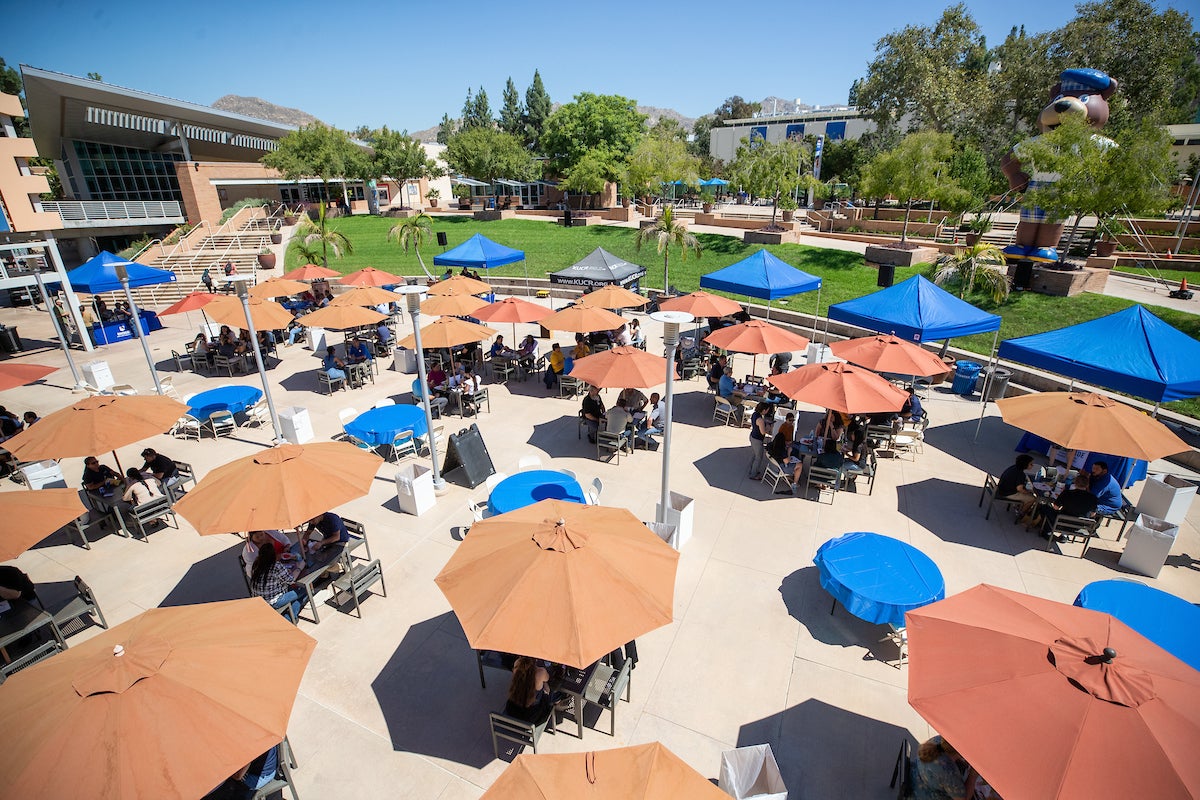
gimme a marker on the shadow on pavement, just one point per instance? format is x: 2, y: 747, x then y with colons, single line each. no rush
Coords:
x: 214, y: 578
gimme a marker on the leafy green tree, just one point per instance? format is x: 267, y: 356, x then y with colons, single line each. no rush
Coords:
x: 398, y: 156
x: 842, y: 158
x: 315, y: 151
x: 537, y: 111
x: 414, y: 231
x: 609, y: 124
x: 487, y: 153
x: 736, y: 108
x: 511, y: 113
x: 981, y: 264
x: 659, y: 158
x: 446, y: 129
x: 587, y: 175
x: 313, y: 237
x: 95, y: 76
x: 665, y: 233
x: 733, y: 108
x: 772, y: 169
x: 916, y: 169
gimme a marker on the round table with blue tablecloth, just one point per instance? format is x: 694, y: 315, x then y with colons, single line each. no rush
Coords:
x: 233, y: 399
x: 532, y: 486
x: 1169, y: 621
x: 878, y: 578
x: 382, y: 425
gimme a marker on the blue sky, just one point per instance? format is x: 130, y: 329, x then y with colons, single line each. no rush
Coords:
x: 403, y: 63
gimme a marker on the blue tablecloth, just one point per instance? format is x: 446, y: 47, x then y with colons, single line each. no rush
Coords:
x: 1127, y: 471
x: 878, y: 578
x: 382, y: 425
x: 109, y: 332
x: 531, y: 486
x: 228, y: 398
x: 1169, y: 621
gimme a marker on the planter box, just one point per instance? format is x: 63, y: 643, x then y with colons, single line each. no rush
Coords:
x: 401, y: 213
x: 621, y: 214
x: 1068, y: 283
x: 492, y: 214
x: 877, y: 254
x: 771, y: 237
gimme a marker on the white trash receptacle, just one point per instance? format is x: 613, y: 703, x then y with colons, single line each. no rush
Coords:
x: 817, y: 353
x: 296, y: 424
x: 98, y: 374
x: 1166, y: 497
x: 665, y: 531
x: 751, y: 772
x: 405, y: 361
x: 44, y: 475
x: 1148, y: 544
x: 680, y: 514
x: 316, y: 340
x: 414, y: 489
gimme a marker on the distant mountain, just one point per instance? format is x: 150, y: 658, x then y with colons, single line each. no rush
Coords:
x: 427, y: 135
x: 261, y: 109
x: 654, y: 114
x: 777, y: 105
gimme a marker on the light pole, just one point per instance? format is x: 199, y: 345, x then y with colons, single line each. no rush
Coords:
x: 66, y: 346
x: 135, y: 321
x: 412, y: 295
x: 241, y: 282
x: 671, y: 322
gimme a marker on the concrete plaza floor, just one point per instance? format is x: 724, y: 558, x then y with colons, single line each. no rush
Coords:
x: 391, y: 704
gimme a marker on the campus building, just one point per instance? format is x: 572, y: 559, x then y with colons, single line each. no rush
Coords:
x: 832, y: 122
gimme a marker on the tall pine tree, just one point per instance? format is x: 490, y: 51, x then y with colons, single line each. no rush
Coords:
x: 537, y: 111
x: 511, y: 113
x: 481, y: 112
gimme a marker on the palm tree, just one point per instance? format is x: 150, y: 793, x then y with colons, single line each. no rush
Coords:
x: 413, y: 230
x: 312, y: 234
x: 981, y: 263
x: 666, y: 232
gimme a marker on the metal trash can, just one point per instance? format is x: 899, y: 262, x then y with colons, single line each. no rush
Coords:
x: 414, y: 489
x: 998, y: 384
x: 965, y: 374
x: 10, y: 342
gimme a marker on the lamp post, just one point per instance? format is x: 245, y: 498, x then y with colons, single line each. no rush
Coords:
x: 671, y: 322
x: 412, y: 295
x: 136, y: 323
x: 240, y: 283
x: 62, y: 339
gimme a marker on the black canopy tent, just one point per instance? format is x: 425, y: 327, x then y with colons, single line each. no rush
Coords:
x: 599, y: 268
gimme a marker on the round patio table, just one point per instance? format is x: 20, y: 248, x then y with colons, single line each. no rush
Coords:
x: 878, y: 578
x: 1169, y: 621
x: 382, y: 425
x: 233, y: 399
x: 531, y: 486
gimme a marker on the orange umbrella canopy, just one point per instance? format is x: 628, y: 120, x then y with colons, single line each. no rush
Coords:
x: 95, y: 425
x: 889, y: 353
x: 279, y: 488
x: 28, y: 517
x: 642, y: 772
x: 311, y: 272
x: 610, y: 578
x: 278, y: 287
x: 613, y: 296
x: 365, y: 296
x: 459, y: 284
x: 582, y: 319
x: 842, y: 387
x: 1024, y: 689
x: 166, y: 705
x: 702, y: 304
x: 340, y: 318
x: 513, y: 309
x: 267, y: 315
x: 621, y: 368
x: 191, y: 302
x: 448, y: 332
x: 369, y: 276
x: 1088, y: 421
x: 455, y: 305
x: 14, y: 375
x: 756, y: 337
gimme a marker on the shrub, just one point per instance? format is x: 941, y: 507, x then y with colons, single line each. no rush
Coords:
x: 239, y: 205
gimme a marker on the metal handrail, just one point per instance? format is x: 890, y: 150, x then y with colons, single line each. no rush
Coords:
x: 202, y: 224
x: 149, y: 244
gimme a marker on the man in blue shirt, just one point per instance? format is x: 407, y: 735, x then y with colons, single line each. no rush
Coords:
x: 1106, y: 489
x: 912, y: 407
x: 331, y: 528
x: 727, y: 388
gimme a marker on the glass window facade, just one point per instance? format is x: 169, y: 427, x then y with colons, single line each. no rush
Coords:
x: 112, y: 172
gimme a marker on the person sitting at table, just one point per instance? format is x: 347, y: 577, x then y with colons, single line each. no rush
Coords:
x: 582, y: 350
x: 774, y: 395
x: 384, y: 333
x: 716, y: 372
x: 333, y: 366
x: 30, y: 417
x: 728, y: 389
x: 856, y: 451
x: 160, y: 467
x: 618, y: 420
x: 138, y: 488
x: 635, y: 400
x: 911, y: 410
x: 10, y: 424
x: 780, y: 450
x: 16, y: 585
x: 1077, y: 501
x: 468, y: 384
x: 356, y: 352
x: 656, y: 414
x: 332, y: 529
x: 499, y: 349
x: 529, y: 692
x: 829, y: 426
x: 257, y: 539
x: 1011, y: 485
x: 527, y: 353
x: 937, y: 773
x: 621, y: 337
x: 436, y: 376
x: 788, y: 428
x: 761, y: 422
x: 593, y: 412
x: 271, y: 578
x: 121, y: 311
x: 1106, y: 489
x: 831, y: 455
x: 295, y: 331
x: 97, y: 477
x: 554, y: 366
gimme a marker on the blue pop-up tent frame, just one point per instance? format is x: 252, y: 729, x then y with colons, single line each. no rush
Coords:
x: 99, y: 274
x: 915, y: 309
x: 479, y: 251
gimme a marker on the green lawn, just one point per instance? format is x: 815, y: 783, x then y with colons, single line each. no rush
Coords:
x: 549, y: 247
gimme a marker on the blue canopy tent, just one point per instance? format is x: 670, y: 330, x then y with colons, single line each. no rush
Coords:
x: 764, y: 276
x: 714, y: 182
x: 479, y: 251
x: 99, y: 274
x: 1131, y: 351
x: 915, y: 309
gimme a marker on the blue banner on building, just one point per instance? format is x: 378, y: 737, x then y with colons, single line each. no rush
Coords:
x: 794, y: 132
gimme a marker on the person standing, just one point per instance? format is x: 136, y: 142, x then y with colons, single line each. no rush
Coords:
x: 760, y: 429
x: 206, y: 279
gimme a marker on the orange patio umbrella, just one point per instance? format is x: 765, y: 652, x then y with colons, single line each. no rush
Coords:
x: 561, y: 581
x: 14, y: 375
x: 642, y: 772
x: 756, y: 337
x: 280, y: 487
x: 1047, y: 700
x: 455, y: 305
x: 513, y: 310
x: 621, y: 368
x: 267, y: 315
x: 278, y: 287
x: 842, y: 387
x: 1088, y: 421
x: 340, y: 318
x: 612, y: 296
x: 459, y: 284
x: 583, y: 319
x: 702, y: 304
x: 96, y: 424
x: 446, y: 332
x: 889, y: 353
x: 190, y: 302
x: 365, y: 296
x: 369, y: 276
x: 28, y: 517
x: 311, y: 272
x: 166, y: 705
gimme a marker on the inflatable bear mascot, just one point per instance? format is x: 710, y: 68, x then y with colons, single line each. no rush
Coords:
x: 1079, y: 91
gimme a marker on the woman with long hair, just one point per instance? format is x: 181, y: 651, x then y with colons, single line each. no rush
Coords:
x: 938, y: 773
x: 529, y: 692
x: 140, y: 489
x: 271, y: 578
